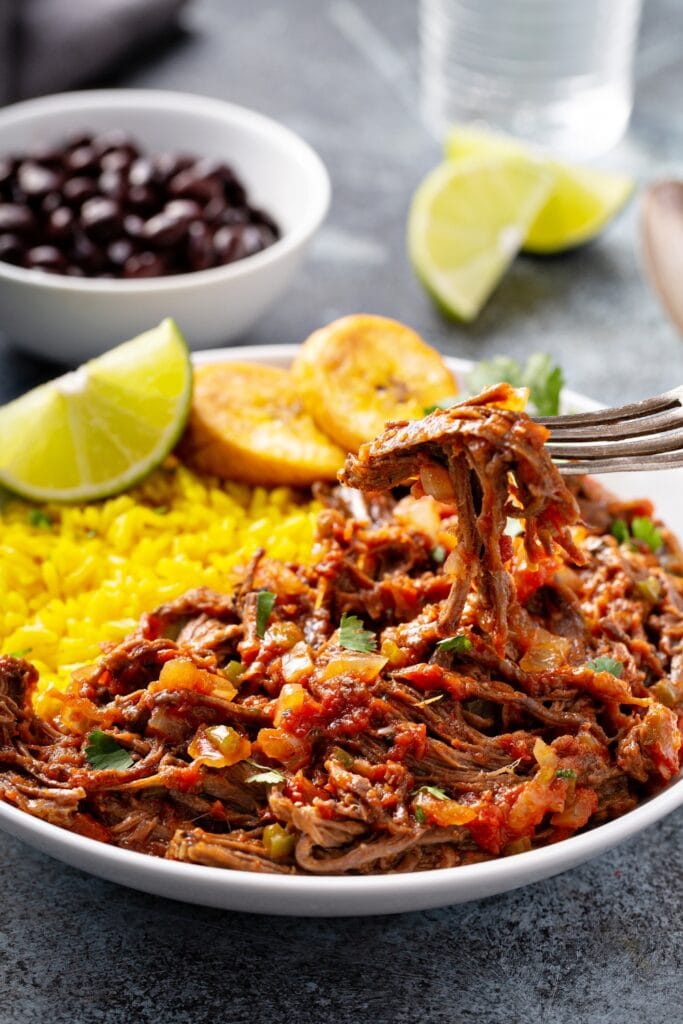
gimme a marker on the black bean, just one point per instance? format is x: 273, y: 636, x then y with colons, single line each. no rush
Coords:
x: 261, y: 217
x: 82, y: 160
x: 85, y: 254
x: 14, y: 217
x: 113, y: 184
x: 119, y: 251
x: 115, y: 139
x: 51, y: 201
x: 227, y: 243
x: 35, y: 180
x: 145, y: 264
x: 133, y: 226
x: 143, y: 199
x: 11, y: 248
x: 101, y: 218
x: 166, y: 229
x: 117, y: 160
x: 141, y: 172
x: 60, y: 222
x: 200, y: 250
x: 167, y: 165
x: 232, y: 215
x: 183, y: 208
x: 189, y: 184
x: 252, y: 240
x: 77, y: 190
x: 46, y: 257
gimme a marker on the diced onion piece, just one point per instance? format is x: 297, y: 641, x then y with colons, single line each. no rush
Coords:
x: 79, y: 715
x: 280, y: 746
x: 283, y: 636
x: 218, y: 746
x: 278, y: 842
x: 183, y: 674
x: 547, y: 652
x: 577, y: 815
x: 445, y: 812
x: 292, y: 697
x: 436, y: 482
x: 297, y: 663
x: 364, y: 666
x: 419, y: 514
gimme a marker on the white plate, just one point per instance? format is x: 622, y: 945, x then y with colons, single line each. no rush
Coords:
x: 377, y: 894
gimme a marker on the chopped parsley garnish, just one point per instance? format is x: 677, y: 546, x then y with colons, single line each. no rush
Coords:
x: 459, y: 644
x: 643, y: 529
x: 620, y: 530
x: 544, y: 380
x: 161, y: 510
x: 438, y: 554
x: 445, y: 403
x: 353, y: 637
x: 434, y: 791
x: 264, y: 606
x: 606, y: 664
x: 103, y: 752
x: 270, y: 776
x: 565, y: 773
x: 37, y: 517
x: 21, y: 652
x: 420, y: 816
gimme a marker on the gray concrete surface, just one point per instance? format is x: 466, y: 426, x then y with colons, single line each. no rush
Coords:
x: 602, y: 943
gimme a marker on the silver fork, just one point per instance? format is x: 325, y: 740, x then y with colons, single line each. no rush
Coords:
x: 639, y: 436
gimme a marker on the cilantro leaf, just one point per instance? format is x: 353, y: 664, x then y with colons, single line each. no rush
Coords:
x: 492, y: 371
x: 269, y: 776
x: 545, y: 383
x: 420, y: 816
x: 619, y: 529
x: 434, y: 791
x: 544, y: 380
x: 438, y: 554
x: 459, y: 644
x: 37, y: 517
x: 644, y: 529
x: 606, y: 664
x: 352, y: 636
x: 103, y: 752
x: 264, y: 606
x: 565, y: 773
x: 445, y: 403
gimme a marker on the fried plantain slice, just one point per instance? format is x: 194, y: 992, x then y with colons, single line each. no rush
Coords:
x: 360, y: 372
x: 247, y: 422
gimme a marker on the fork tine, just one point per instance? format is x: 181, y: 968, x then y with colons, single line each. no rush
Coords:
x: 642, y: 463
x: 589, y: 448
x: 657, y: 424
x: 634, y: 410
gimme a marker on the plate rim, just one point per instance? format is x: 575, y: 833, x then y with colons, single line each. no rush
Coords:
x: 333, y: 895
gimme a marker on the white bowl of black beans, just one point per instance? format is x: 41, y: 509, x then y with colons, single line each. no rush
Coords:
x: 121, y: 207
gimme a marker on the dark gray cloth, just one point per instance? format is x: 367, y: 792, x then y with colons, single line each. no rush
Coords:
x: 50, y: 45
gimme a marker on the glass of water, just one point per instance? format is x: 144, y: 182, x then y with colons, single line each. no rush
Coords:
x: 558, y: 73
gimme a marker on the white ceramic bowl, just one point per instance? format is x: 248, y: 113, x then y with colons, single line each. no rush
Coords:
x: 72, y: 319
x: 323, y: 895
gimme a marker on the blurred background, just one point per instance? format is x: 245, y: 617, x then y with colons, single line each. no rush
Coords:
x: 345, y: 75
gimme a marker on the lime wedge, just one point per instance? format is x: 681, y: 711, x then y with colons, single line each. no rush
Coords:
x: 467, y: 222
x: 101, y: 428
x: 582, y: 200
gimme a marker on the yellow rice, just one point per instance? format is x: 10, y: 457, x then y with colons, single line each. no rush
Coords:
x: 74, y: 576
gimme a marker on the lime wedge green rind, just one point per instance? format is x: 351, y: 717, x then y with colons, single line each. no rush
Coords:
x: 582, y: 200
x: 467, y: 222
x: 99, y: 430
